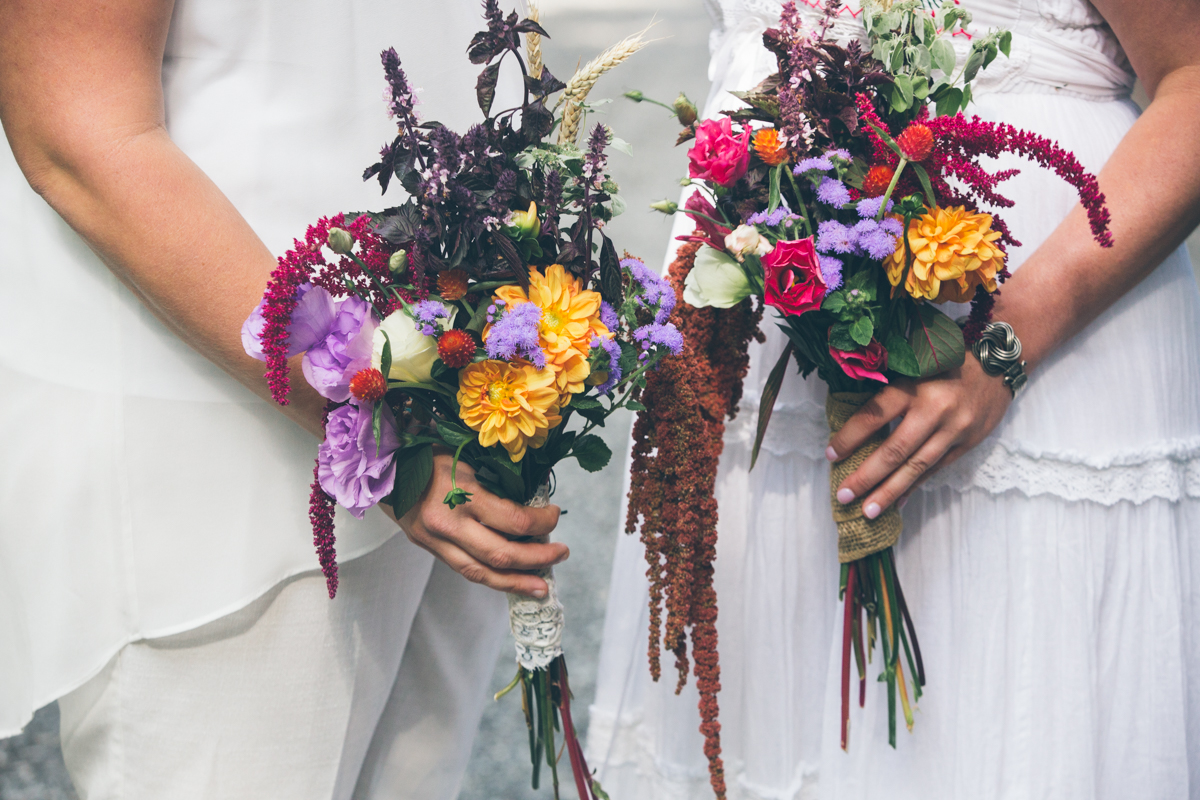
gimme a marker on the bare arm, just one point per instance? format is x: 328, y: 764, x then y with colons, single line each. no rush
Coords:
x: 1152, y: 185
x: 82, y: 106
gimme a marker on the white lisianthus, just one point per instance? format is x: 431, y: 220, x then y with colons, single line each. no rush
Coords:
x: 715, y: 280
x: 746, y: 240
x: 413, y: 353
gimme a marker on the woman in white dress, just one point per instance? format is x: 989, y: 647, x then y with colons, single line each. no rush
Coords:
x: 156, y: 564
x: 1052, y: 569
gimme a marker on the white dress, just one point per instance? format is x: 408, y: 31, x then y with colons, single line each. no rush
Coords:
x: 143, y: 492
x: 1053, y: 574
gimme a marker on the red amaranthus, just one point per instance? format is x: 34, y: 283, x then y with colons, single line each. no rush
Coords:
x: 677, y: 447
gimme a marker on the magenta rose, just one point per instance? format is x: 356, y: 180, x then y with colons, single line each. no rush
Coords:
x: 865, y: 364
x: 794, y: 283
x: 707, y: 231
x: 350, y: 468
x: 718, y: 155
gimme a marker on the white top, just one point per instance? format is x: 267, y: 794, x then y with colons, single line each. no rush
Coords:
x: 142, y: 490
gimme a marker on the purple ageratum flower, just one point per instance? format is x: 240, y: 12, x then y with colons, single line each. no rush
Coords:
x: 892, y: 226
x: 608, y: 315
x: 834, y: 237
x: 871, y: 239
x: 346, y: 349
x: 831, y: 271
x: 868, y: 207
x: 772, y: 219
x: 427, y: 313
x: 655, y: 292
x: 844, y: 155
x: 613, y: 350
x: 350, y: 468
x: 514, y: 334
x: 311, y: 322
x: 819, y: 164
x: 833, y: 192
x: 657, y: 335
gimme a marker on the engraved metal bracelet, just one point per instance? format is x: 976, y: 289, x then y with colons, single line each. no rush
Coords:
x: 999, y: 352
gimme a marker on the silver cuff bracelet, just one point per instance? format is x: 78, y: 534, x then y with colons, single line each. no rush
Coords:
x: 999, y: 352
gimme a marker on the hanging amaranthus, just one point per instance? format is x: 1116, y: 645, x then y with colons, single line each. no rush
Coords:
x: 677, y: 447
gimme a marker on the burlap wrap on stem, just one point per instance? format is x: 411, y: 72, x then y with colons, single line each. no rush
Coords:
x: 537, y: 625
x: 858, y: 536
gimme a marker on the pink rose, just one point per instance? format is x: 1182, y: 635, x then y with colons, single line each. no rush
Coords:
x: 864, y: 364
x: 718, y: 155
x: 794, y: 283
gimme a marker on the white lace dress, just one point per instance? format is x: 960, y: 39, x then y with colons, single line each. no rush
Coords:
x: 1053, y: 574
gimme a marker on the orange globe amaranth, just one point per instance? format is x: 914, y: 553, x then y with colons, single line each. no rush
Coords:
x: 770, y: 147
x: 916, y: 142
x: 456, y: 348
x: 953, y: 252
x: 452, y: 284
x: 514, y: 405
x: 368, y: 385
x: 877, y: 181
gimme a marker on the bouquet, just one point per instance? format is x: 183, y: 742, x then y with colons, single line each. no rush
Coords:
x: 484, y: 315
x: 846, y: 196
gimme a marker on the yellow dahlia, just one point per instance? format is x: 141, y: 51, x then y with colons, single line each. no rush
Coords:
x: 570, y: 319
x: 953, y: 251
x: 513, y: 404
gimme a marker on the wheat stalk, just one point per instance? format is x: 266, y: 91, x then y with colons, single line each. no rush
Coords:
x: 585, y: 78
x: 533, y: 42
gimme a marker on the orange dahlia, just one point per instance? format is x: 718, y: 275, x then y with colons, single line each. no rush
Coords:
x: 513, y: 404
x: 953, y: 252
x: 570, y: 319
x: 770, y: 147
x: 877, y: 181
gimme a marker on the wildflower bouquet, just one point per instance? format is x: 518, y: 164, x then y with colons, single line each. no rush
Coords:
x: 481, y: 315
x: 845, y: 194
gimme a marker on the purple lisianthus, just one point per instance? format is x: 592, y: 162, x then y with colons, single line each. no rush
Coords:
x: 427, y: 313
x: 834, y: 237
x: 868, y: 207
x: 350, y: 468
x: 655, y: 292
x: 873, y: 240
x: 514, y: 333
x: 613, y: 350
x: 831, y: 271
x: 657, y: 335
x: 820, y: 164
x: 310, y: 323
x: 346, y: 349
x: 833, y: 192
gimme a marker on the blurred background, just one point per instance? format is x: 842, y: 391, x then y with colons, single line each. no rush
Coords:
x: 31, y: 764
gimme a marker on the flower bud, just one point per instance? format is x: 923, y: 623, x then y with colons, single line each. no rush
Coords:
x: 526, y: 223
x: 635, y: 96
x: 685, y: 109
x: 398, y: 262
x: 744, y: 240
x: 340, y: 241
x: 665, y: 206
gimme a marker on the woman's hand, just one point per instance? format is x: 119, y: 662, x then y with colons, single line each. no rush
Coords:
x: 474, y: 539
x: 943, y: 417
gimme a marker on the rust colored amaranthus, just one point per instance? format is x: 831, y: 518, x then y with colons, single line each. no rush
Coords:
x: 677, y: 446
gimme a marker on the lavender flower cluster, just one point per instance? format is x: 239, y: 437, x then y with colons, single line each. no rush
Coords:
x: 514, y: 333
x: 650, y: 289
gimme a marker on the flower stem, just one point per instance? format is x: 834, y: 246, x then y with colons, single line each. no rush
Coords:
x: 891, y: 188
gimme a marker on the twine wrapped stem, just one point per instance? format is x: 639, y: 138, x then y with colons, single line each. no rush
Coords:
x: 858, y: 536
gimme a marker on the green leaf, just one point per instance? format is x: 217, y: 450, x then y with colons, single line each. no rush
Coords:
x: 944, y: 57
x: 377, y: 425
x: 414, y: 467
x: 579, y: 402
x: 766, y: 403
x: 595, y: 415
x: 454, y: 435
x: 773, y: 200
x: 621, y: 146
x: 901, y: 357
x: 950, y: 102
x: 1006, y: 42
x: 591, y: 451
x: 862, y: 331
x: 974, y: 64
x: 921, y: 89
x: 457, y: 497
x: 834, y: 302
x: 385, y: 360
x: 966, y: 96
x: 923, y: 176
x: 634, y: 405
x: 840, y: 338
x: 936, y: 341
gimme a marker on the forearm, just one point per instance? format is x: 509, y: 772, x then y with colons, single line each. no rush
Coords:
x: 1152, y: 186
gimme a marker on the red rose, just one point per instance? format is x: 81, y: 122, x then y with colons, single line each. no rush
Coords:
x: 718, y: 155
x: 863, y: 364
x: 794, y: 283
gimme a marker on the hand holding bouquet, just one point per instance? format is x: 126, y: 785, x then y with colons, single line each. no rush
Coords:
x: 837, y: 198
x: 480, y: 317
